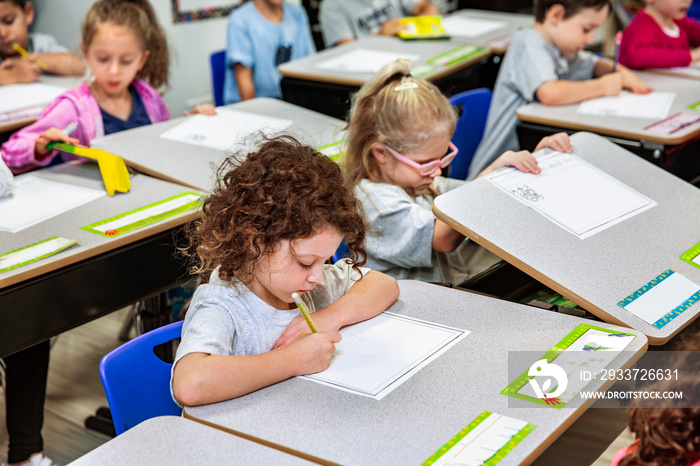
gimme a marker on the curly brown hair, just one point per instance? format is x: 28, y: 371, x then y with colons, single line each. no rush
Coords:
x: 667, y: 434
x: 282, y: 191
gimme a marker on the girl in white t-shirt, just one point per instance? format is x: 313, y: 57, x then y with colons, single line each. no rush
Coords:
x: 267, y: 232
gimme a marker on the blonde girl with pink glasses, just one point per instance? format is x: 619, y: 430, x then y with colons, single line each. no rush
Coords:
x: 398, y: 143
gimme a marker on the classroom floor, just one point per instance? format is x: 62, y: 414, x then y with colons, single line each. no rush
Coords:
x: 74, y: 392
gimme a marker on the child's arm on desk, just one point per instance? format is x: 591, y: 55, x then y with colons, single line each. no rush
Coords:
x: 201, y: 378
x: 368, y: 297
x: 18, y: 70
x: 63, y: 63
x: 606, y: 83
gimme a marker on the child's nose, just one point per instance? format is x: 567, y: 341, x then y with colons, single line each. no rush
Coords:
x: 316, y: 276
x: 590, y: 38
x: 437, y: 172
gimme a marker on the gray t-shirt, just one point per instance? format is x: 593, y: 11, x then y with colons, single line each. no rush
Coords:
x: 530, y: 62
x: 347, y: 19
x: 228, y: 319
x: 400, y: 233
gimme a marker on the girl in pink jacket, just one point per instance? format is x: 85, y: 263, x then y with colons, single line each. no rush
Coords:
x: 126, y: 50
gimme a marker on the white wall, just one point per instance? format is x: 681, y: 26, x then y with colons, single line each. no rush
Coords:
x: 190, y: 45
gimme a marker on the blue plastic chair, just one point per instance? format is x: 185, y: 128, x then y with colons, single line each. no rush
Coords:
x: 341, y: 252
x: 470, y: 128
x: 217, y: 60
x: 137, y: 382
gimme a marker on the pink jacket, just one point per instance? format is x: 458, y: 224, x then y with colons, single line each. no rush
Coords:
x: 76, y: 105
x: 646, y: 45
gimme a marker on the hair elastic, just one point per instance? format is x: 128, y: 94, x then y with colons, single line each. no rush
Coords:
x: 404, y: 86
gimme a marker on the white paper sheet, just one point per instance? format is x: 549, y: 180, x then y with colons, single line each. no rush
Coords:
x: 17, y: 96
x: 662, y: 298
x: 379, y: 354
x: 590, y: 353
x: 654, y: 105
x: 362, y: 61
x: 462, y: 26
x: 484, y: 441
x: 147, y: 213
x: 573, y: 194
x: 224, y: 129
x: 34, y: 200
x: 31, y: 253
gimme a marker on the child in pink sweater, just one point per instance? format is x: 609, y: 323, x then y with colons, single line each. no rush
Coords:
x: 661, y: 36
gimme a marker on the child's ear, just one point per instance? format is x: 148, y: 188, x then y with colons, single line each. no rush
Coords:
x: 83, y: 49
x: 29, y: 13
x: 555, y: 14
x: 144, y: 59
x: 380, y: 153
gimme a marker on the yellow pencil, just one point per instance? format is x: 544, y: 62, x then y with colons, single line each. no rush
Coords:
x: 24, y: 53
x: 302, y: 309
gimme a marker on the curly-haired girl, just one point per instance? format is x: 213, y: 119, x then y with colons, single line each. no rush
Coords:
x: 668, y: 434
x: 267, y: 231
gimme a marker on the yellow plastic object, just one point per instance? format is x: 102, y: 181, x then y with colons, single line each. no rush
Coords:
x: 422, y: 27
x: 112, y: 167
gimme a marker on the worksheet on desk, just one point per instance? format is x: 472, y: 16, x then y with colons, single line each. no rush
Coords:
x: 572, y: 193
x: 226, y: 128
x: 379, y: 354
x: 17, y: 96
x: 462, y: 26
x: 654, y: 105
x: 34, y: 200
x: 363, y: 61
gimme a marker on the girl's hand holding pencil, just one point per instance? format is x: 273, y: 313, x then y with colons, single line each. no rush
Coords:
x: 313, y: 351
x: 51, y: 135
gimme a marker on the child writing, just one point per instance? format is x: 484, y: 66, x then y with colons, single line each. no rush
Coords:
x: 344, y: 21
x: 263, y: 34
x: 398, y: 140
x: 547, y: 63
x: 268, y: 229
x: 15, y: 18
x: 126, y: 50
x: 661, y: 36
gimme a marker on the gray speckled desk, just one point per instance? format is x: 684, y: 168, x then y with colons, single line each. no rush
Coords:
x: 599, y: 271
x: 169, y: 440
x: 94, y: 277
x: 17, y: 119
x: 195, y: 166
x: 426, y: 411
x: 500, y: 36
x: 537, y: 120
x: 305, y: 68
x: 329, y: 91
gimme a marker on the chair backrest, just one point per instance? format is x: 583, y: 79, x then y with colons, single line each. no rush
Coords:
x: 341, y: 252
x: 470, y: 128
x: 217, y: 60
x: 137, y: 382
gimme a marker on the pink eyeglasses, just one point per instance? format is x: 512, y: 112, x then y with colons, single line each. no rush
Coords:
x: 428, y: 168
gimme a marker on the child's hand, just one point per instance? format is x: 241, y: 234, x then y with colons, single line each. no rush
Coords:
x: 391, y: 27
x: 298, y: 326
x: 610, y: 84
x: 631, y: 82
x: 204, y: 109
x: 50, y: 135
x: 695, y: 55
x: 559, y: 142
x: 22, y: 70
x: 522, y: 160
x: 314, y: 351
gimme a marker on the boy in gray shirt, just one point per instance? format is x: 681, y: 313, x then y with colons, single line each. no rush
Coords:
x: 548, y: 64
x: 345, y: 20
